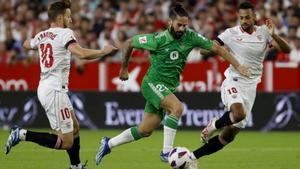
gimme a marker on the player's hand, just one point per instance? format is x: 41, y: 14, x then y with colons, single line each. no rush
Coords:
x: 243, y: 70
x: 270, y: 26
x: 123, y: 74
x: 109, y: 49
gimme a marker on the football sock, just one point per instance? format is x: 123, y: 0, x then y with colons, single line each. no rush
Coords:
x: 212, y: 146
x: 126, y: 136
x: 22, y: 134
x: 224, y: 120
x: 135, y: 133
x: 73, y: 152
x: 79, y: 166
x: 170, y: 128
x: 44, y: 139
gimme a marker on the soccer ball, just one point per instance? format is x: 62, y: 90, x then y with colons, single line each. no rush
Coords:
x: 179, y: 158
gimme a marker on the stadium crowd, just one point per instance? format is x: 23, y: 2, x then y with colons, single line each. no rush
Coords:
x: 99, y: 22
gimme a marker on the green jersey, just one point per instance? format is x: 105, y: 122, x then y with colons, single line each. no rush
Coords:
x: 168, y: 55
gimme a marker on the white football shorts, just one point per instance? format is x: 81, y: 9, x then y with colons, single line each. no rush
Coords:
x: 233, y: 91
x: 58, y: 108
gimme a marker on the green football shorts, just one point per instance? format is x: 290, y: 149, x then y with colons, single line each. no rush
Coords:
x: 154, y: 92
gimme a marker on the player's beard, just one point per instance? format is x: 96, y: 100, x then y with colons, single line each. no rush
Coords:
x: 247, y: 27
x: 176, y: 34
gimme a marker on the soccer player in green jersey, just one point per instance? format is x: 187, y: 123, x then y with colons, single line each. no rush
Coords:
x: 169, y: 50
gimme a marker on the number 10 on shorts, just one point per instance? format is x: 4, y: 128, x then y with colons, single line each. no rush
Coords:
x: 65, y: 113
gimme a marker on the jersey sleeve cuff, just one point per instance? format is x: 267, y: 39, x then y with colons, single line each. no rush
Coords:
x: 220, y: 41
x: 70, y: 42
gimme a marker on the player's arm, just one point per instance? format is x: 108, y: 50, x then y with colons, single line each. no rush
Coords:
x: 278, y: 42
x: 142, y: 41
x: 125, y: 60
x: 227, y: 56
x: 90, y: 54
x: 206, y: 52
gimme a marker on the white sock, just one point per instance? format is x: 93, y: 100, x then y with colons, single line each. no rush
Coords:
x: 122, y: 138
x: 22, y: 134
x: 169, y: 136
x: 78, y: 166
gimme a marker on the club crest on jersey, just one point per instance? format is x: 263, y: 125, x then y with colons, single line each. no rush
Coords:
x: 142, y: 39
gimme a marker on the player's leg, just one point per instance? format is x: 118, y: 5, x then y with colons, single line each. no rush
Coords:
x: 240, y: 100
x: 149, y: 123
x: 216, y: 143
x: 162, y: 99
x: 228, y: 133
x: 232, y: 98
x: 174, y: 110
x: 73, y: 152
x: 49, y: 140
x: 59, y: 119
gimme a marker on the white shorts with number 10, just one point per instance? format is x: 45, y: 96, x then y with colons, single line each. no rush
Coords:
x: 58, y: 108
x: 234, y: 92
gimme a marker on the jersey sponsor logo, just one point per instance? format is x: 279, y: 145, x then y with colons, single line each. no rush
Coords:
x: 13, y: 84
x: 143, y: 39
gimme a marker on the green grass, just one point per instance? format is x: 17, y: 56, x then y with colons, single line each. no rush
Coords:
x: 250, y: 150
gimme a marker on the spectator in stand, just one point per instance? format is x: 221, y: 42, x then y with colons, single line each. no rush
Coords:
x: 295, y: 53
x: 119, y: 42
x: 4, y: 54
x: 98, y: 24
x: 209, y: 18
x: 107, y: 36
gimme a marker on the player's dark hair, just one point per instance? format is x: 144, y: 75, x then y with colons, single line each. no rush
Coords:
x: 58, y: 8
x: 177, y: 10
x: 246, y: 5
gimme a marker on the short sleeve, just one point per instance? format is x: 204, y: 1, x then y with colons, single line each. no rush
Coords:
x: 68, y: 38
x: 145, y: 41
x: 34, y: 42
x: 224, y: 37
x: 200, y: 41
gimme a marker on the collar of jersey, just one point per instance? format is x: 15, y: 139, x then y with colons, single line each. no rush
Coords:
x: 169, y: 36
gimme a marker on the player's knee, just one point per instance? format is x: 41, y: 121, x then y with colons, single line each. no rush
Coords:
x: 239, y: 116
x: 67, y: 144
x: 238, y: 113
x: 177, y: 110
x: 76, y: 131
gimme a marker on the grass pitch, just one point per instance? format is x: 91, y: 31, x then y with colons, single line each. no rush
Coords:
x: 250, y: 150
